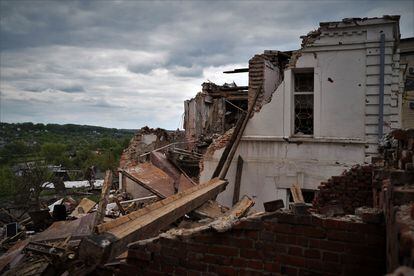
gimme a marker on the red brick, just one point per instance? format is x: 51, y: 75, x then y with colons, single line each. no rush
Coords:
x: 282, y: 228
x: 211, y: 238
x: 199, y: 266
x: 267, y: 236
x: 327, y: 245
x: 295, y: 251
x: 248, y: 272
x: 251, y: 234
x: 248, y: 225
x: 283, y: 238
x: 180, y: 271
x: 251, y: 254
x: 238, y: 262
x: 291, y: 271
x: 292, y: 260
x: 199, y: 248
x: 374, y: 229
x: 223, y: 270
x: 334, y: 268
x: 302, y: 241
x: 167, y: 268
x: 376, y: 240
x: 314, y: 232
x: 140, y: 254
x: 314, y: 264
x: 154, y: 273
x: 224, y: 251
x: 336, y: 224
x: 258, y: 265
x: 312, y: 253
x: 330, y: 257
x: 281, y: 248
x: 345, y: 236
x: 241, y: 242
x: 271, y: 267
x: 214, y: 259
x: 168, y: 251
x: 195, y: 256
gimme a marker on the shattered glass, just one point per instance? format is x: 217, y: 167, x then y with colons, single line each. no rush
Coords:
x: 304, y: 114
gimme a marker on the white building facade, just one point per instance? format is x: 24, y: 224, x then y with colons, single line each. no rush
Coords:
x: 324, y: 116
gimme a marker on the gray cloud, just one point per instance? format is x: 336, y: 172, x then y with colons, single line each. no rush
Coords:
x: 73, y: 61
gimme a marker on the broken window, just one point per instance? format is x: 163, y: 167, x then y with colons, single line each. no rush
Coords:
x: 303, y: 103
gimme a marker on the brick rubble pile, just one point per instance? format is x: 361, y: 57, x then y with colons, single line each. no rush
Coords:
x: 351, y: 190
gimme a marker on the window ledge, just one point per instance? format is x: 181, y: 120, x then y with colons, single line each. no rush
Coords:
x: 304, y: 139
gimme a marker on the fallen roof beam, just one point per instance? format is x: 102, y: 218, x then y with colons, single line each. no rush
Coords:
x: 142, y: 184
x: 222, y: 223
x: 239, y: 134
x: 146, y: 222
x: 238, y: 70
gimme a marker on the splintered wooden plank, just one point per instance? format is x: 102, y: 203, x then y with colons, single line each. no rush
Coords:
x: 103, y: 201
x: 147, y: 222
x: 297, y: 194
x: 237, y: 183
x: 84, y: 206
x: 167, y: 212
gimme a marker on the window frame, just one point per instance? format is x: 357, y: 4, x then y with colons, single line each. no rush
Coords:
x: 295, y: 93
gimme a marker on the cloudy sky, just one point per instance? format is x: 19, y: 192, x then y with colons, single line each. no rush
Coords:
x: 127, y: 64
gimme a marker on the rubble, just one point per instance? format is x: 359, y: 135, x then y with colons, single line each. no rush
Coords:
x: 145, y: 141
x: 160, y: 220
x: 352, y: 189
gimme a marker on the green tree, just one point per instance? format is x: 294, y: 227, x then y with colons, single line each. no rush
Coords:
x: 31, y: 183
x: 7, y: 181
x: 53, y: 152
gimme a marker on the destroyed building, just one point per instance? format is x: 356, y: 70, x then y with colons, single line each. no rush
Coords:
x: 323, y: 118
x: 326, y: 110
x: 213, y: 111
x: 407, y: 62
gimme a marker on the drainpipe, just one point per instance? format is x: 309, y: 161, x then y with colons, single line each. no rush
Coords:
x: 381, y: 89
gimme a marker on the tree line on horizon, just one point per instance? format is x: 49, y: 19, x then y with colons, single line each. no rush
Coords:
x: 74, y: 147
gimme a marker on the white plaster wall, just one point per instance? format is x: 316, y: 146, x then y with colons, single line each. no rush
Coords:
x: 271, y: 165
x: 342, y: 105
x: 272, y: 79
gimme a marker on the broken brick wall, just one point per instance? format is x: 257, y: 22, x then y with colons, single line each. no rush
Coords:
x: 203, y: 117
x: 276, y: 243
x: 394, y: 194
x: 265, y: 73
x: 146, y: 140
x: 350, y: 190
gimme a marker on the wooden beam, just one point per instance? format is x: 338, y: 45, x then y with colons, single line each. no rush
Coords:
x: 146, y: 222
x: 220, y: 224
x: 297, y: 194
x: 124, y: 172
x: 239, y: 170
x: 103, y: 201
x: 228, y: 146
x: 238, y: 70
x: 84, y: 206
x: 238, y: 137
x: 121, y: 209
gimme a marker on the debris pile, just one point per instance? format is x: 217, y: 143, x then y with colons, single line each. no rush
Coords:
x: 146, y: 140
x: 348, y: 191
